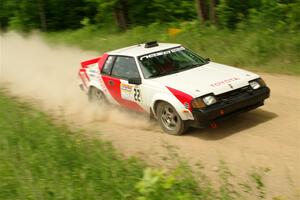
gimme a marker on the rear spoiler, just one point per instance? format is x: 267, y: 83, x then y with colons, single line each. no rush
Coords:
x: 86, y: 64
x: 100, y: 60
x: 83, y: 74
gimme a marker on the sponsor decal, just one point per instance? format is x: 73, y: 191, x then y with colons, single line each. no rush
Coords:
x: 227, y: 82
x: 186, y: 105
x: 130, y: 92
x: 92, y: 75
x: 162, y: 53
x: 92, y: 70
x: 126, y: 87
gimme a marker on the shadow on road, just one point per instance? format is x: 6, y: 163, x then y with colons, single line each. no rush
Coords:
x: 233, y: 125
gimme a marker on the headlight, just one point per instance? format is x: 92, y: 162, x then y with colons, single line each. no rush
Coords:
x: 202, y: 102
x: 255, y: 84
x: 209, y: 100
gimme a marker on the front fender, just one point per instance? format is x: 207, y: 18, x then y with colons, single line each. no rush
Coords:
x: 172, y: 100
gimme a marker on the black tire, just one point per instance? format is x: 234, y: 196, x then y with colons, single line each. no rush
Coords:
x: 96, y: 96
x: 169, y: 120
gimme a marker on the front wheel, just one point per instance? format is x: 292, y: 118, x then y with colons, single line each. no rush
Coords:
x: 169, y: 120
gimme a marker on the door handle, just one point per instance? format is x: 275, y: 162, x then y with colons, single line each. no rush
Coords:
x: 110, y: 82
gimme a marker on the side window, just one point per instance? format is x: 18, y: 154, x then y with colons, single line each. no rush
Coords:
x: 108, y: 65
x: 125, y: 68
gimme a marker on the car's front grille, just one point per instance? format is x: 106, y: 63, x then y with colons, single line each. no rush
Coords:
x: 231, y: 94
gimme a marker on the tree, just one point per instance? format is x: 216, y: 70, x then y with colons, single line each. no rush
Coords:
x: 212, y: 11
x: 112, y: 10
x: 206, y: 10
x: 42, y: 13
x: 121, y: 14
x: 202, y: 11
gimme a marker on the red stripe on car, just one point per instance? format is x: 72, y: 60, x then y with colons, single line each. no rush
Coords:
x: 184, y: 98
x: 113, y: 86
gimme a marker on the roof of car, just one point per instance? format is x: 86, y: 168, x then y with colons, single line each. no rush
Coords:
x: 140, y: 49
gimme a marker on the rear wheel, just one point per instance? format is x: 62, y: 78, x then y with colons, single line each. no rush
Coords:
x: 96, y: 96
x: 169, y: 119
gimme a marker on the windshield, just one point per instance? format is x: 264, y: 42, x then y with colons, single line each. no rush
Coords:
x: 169, y: 62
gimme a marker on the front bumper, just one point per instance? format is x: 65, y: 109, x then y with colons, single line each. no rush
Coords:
x: 228, y: 107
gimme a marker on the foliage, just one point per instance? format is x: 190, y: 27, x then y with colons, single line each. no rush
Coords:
x: 41, y: 159
x: 261, y: 50
x: 25, y: 15
x: 231, y: 12
x: 155, y: 183
x: 258, y: 34
x: 55, y: 15
x: 274, y: 14
x: 161, y: 11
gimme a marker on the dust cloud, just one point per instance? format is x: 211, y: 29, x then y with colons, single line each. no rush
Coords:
x: 47, y: 75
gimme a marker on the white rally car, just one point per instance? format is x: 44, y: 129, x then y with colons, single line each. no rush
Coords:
x: 171, y: 83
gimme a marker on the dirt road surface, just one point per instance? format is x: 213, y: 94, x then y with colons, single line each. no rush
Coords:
x: 268, y: 137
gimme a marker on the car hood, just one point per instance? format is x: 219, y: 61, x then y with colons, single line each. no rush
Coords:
x: 209, y: 78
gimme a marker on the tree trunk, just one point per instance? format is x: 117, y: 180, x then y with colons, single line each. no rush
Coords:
x: 121, y: 14
x: 42, y: 14
x: 202, y: 10
x: 212, y: 11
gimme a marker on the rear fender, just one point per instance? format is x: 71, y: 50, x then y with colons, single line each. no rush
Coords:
x: 96, y: 84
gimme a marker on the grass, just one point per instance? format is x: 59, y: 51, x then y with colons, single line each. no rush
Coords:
x: 41, y: 159
x: 259, y: 50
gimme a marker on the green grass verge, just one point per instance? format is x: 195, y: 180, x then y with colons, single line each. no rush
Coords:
x: 258, y: 50
x: 41, y: 160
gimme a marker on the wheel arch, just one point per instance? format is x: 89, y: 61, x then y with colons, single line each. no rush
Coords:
x: 173, y: 101
x: 155, y: 104
x: 96, y: 85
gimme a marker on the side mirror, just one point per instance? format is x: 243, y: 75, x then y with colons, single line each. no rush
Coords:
x: 207, y: 59
x: 136, y: 81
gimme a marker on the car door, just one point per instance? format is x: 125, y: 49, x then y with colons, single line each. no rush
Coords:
x: 116, y: 82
